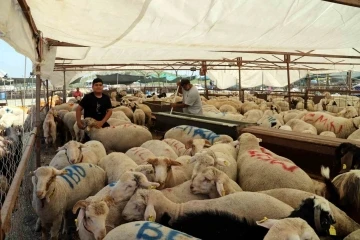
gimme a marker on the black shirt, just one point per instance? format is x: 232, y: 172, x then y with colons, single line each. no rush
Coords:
x: 95, y: 107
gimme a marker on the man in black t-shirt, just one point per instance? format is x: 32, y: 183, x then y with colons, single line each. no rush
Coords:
x: 96, y: 105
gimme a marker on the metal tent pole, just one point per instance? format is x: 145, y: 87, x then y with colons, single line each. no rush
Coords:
x: 287, y: 59
x: 239, y: 63
x: 64, y: 89
x: 38, y: 122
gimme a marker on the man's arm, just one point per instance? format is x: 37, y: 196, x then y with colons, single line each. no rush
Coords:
x: 179, y: 105
x: 107, y: 116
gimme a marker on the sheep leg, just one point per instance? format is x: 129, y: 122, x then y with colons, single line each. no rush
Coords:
x: 55, y: 228
x: 64, y: 230
x: 44, y: 231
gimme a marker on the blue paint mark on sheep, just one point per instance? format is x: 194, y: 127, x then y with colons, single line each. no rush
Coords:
x: 203, y: 133
x: 112, y: 184
x: 74, y: 175
x: 153, y: 231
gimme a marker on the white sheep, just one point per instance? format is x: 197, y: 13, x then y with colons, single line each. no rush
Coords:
x: 342, y: 127
x: 128, y: 112
x: 120, y: 138
x: 353, y: 236
x: 60, y: 160
x: 184, y: 133
x: 253, y: 115
x: 227, y: 108
x: 139, y: 117
x: 140, y: 155
x: 247, y: 106
x: 120, y: 115
x: 213, y: 182
x: 298, y: 125
x: 102, y: 212
x: 258, y: 170
x: 229, y: 148
x: 69, y: 121
x: 116, y: 164
x: 285, y: 127
x: 182, y: 193
x: 160, y: 148
x: 56, y: 191
x: 329, y: 134
x: 151, y: 204
x: 49, y: 128
x: 144, y: 230
x: 113, y: 122
x: 269, y: 122
x: 177, y: 146
x: 348, y: 112
x: 221, y: 160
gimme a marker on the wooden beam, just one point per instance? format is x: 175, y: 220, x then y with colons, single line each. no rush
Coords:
x: 56, y: 43
x: 26, y: 10
x: 353, y: 3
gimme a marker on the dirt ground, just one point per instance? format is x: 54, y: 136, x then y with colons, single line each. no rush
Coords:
x: 24, y: 218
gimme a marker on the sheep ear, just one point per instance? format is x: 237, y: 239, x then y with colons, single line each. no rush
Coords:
x: 222, y: 162
x: 60, y: 148
x: 152, y: 161
x: 150, y: 214
x: 79, y: 219
x: 149, y: 185
x: 207, y: 143
x: 189, y: 144
x: 346, y: 161
x: 259, y: 140
x: 220, y: 188
x: 109, y: 200
x: 80, y: 204
x: 267, y: 223
x: 59, y: 172
x: 174, y: 163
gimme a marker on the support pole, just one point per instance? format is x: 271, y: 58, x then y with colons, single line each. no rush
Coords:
x: 287, y: 60
x: 239, y: 63
x: 204, y: 69
x: 47, y: 96
x: 349, y: 73
x: 307, y: 90
x: 38, y: 122
x: 64, y: 89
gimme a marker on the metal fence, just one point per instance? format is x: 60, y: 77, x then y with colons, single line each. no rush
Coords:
x: 17, y: 217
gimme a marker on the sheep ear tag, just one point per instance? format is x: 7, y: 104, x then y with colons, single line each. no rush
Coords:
x: 151, y: 219
x: 263, y: 220
x: 332, y: 231
x: 344, y: 166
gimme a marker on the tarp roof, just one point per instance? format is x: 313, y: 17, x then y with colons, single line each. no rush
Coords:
x: 119, y: 31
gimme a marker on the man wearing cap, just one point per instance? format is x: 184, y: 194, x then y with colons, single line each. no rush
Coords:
x: 191, y: 98
x: 96, y: 105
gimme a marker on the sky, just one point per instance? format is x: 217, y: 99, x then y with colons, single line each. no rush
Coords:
x: 12, y: 62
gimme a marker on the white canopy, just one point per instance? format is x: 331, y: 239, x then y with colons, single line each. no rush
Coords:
x: 122, y: 31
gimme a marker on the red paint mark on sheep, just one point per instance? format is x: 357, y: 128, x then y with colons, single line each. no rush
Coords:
x: 268, y: 158
x: 321, y: 119
x: 140, y: 153
x: 333, y: 129
x: 311, y: 114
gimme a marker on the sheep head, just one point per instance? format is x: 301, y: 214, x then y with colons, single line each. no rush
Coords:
x: 162, y: 166
x: 206, y: 158
x: 196, y: 145
x: 128, y: 183
x: 42, y: 179
x: 147, y: 170
x: 73, y: 151
x: 248, y: 141
x: 223, y: 139
x: 209, y: 181
x: 92, y: 215
x: 141, y: 205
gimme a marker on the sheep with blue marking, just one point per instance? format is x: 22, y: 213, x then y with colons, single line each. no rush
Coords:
x: 56, y: 191
x: 184, y: 133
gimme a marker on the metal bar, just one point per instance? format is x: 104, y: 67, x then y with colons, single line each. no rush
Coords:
x: 47, y: 96
x: 239, y: 63
x: 332, y: 90
x: 352, y: 3
x: 64, y: 89
x: 294, y: 54
x: 12, y: 195
x: 287, y: 59
x: 38, y: 122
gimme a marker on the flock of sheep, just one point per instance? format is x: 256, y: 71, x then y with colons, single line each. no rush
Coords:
x: 192, y: 184
x: 195, y: 183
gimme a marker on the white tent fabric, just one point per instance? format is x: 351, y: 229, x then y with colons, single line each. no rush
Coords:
x: 119, y: 31
x: 252, y: 78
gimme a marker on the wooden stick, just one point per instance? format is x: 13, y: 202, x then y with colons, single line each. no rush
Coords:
x: 175, y: 98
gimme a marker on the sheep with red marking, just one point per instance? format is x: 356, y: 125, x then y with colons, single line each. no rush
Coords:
x: 259, y: 171
x: 140, y: 155
x: 298, y: 125
x: 184, y: 133
x: 160, y: 148
x: 342, y: 127
x: 177, y: 146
